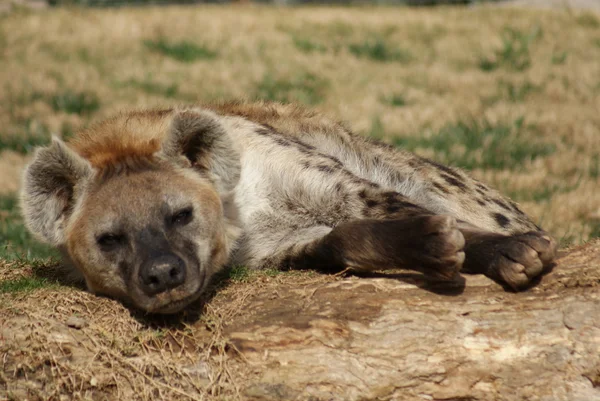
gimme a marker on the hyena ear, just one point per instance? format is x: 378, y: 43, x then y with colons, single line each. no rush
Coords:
x: 198, y: 137
x: 49, y: 184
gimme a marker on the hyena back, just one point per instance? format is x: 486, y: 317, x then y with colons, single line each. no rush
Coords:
x: 149, y: 205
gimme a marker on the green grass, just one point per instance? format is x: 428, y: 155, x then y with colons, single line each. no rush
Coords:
x: 183, y: 51
x: 595, y: 225
x: 24, y: 284
x: 559, y: 58
x: 239, y: 273
x: 479, y: 145
x: 82, y: 103
x: 595, y: 167
x: 303, y: 88
x: 153, y: 88
x: 516, y: 92
x: 32, y: 133
x: 395, y: 100
x: 16, y: 243
x: 540, y: 194
x: 308, y: 46
x: 68, y: 101
x: 377, y: 49
x: 588, y: 20
x: 243, y: 274
x: 514, y: 54
x: 377, y: 130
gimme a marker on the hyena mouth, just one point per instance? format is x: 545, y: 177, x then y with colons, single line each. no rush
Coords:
x: 175, y: 300
x: 174, y: 305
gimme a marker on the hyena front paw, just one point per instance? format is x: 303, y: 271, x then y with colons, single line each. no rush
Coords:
x: 516, y: 260
x: 443, y: 247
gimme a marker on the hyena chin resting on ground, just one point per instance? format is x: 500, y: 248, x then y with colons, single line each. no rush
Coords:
x: 148, y: 205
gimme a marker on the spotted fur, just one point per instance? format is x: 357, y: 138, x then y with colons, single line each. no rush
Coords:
x: 262, y: 184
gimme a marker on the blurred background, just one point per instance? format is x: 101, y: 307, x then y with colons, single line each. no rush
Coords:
x: 508, y: 90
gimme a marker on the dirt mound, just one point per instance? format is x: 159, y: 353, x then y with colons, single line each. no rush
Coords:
x: 308, y: 336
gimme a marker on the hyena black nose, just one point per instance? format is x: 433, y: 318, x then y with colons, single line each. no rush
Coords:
x: 161, y: 274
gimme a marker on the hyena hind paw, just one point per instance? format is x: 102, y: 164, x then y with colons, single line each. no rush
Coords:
x: 519, y: 259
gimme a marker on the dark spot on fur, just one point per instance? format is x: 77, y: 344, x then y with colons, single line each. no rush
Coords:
x: 501, y: 219
x: 306, y: 165
x: 441, y: 188
x: 400, y: 205
x: 326, y: 169
x: 413, y: 163
x: 390, y: 196
x: 374, y: 185
x: 443, y: 168
x: 481, y: 202
x: 393, y: 208
x: 337, y: 161
x: 453, y: 181
x: 300, y: 143
x: 501, y: 204
x: 281, y: 139
x: 282, y: 142
x: 371, y: 203
x: 304, y: 151
x: 362, y: 194
x: 516, y: 208
x: 339, y: 187
x: 481, y: 192
x: 289, y: 204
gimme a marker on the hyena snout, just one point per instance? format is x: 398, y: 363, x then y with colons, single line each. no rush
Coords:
x: 162, y: 273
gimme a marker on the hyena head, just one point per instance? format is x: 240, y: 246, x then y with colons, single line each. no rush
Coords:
x: 141, y: 218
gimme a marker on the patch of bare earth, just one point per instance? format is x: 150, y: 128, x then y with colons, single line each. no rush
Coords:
x: 305, y: 336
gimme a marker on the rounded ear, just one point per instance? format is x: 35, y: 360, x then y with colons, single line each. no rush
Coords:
x: 47, y: 194
x: 197, y: 137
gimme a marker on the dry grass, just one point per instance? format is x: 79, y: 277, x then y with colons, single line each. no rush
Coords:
x: 120, y: 354
x: 64, y: 68
x: 407, y: 76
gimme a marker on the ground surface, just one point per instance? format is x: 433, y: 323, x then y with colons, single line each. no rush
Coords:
x: 513, y: 95
x: 270, y: 336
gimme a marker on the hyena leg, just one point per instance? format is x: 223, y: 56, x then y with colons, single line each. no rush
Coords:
x: 501, y: 241
x: 513, y: 257
x: 514, y: 260
x: 432, y: 244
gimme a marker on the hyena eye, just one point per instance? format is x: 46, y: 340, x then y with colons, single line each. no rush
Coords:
x: 109, y: 242
x: 182, y: 217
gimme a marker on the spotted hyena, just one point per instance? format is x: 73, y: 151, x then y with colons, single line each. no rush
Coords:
x: 148, y: 205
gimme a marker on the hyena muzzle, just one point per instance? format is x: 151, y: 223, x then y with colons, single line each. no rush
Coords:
x: 148, y: 205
